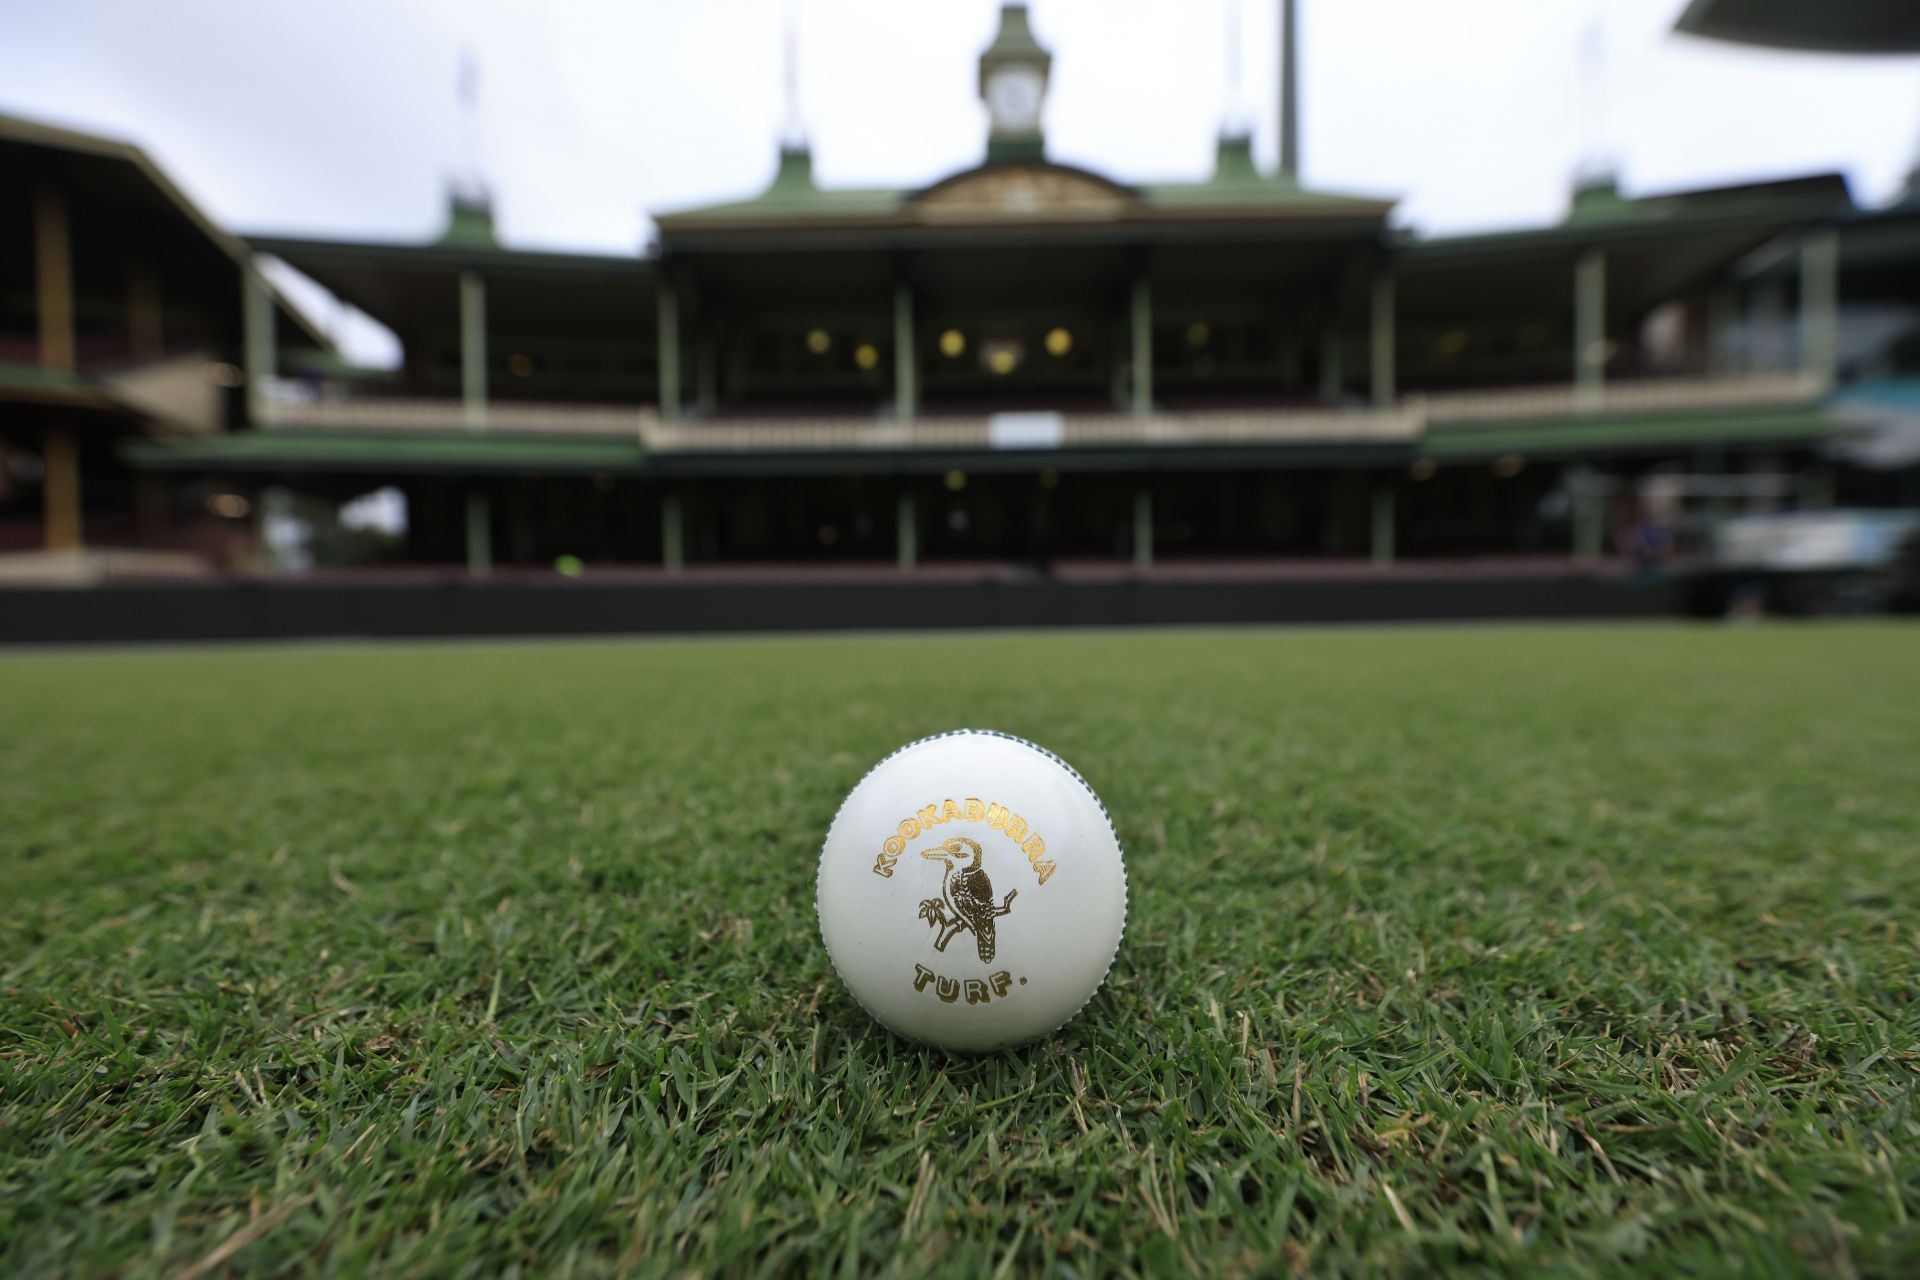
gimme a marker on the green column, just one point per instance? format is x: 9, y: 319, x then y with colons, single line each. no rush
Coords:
x: 473, y: 350
x: 673, y: 556
x: 1142, y: 346
x: 906, y: 356
x: 257, y: 337
x: 1143, y: 528
x: 908, y: 540
x: 1820, y: 303
x: 1589, y: 326
x: 1382, y: 523
x: 669, y: 351
x: 1382, y: 345
x: 479, y: 534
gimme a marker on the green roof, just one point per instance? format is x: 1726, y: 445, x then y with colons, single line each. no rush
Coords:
x: 281, y: 451
x: 1600, y: 214
x: 1236, y: 187
x: 1015, y: 41
x: 1616, y: 433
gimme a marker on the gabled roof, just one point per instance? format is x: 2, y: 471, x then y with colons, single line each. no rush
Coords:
x: 122, y: 172
x: 1601, y: 215
x: 1016, y: 192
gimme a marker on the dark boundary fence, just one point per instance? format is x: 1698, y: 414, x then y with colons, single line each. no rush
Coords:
x: 286, y: 611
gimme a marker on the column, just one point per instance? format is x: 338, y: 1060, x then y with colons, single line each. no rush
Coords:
x: 906, y: 356
x: 479, y: 534
x: 60, y: 490
x: 1589, y: 327
x: 673, y: 555
x: 907, y: 541
x: 1381, y: 347
x: 1142, y: 529
x: 1142, y: 346
x: 258, y: 339
x: 1382, y: 523
x: 1820, y: 303
x: 53, y: 278
x: 473, y: 350
x: 669, y: 308
x: 53, y: 306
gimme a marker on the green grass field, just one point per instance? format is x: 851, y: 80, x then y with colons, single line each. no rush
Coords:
x: 1534, y: 950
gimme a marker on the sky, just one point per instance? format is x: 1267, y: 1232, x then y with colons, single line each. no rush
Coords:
x: 341, y: 118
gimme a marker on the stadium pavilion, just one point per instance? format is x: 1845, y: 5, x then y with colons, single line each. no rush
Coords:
x: 1025, y: 361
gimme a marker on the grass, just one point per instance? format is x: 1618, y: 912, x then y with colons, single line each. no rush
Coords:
x: 1554, y: 950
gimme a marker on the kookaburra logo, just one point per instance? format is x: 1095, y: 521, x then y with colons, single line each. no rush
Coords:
x: 966, y: 896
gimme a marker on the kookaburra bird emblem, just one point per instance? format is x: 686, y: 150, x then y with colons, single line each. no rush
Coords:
x: 966, y: 896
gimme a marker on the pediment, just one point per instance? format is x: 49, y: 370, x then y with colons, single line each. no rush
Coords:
x: 1023, y: 192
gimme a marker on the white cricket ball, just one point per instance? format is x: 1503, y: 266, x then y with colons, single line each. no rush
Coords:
x: 972, y: 891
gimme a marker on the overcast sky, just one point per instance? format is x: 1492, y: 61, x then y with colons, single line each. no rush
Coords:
x: 340, y: 117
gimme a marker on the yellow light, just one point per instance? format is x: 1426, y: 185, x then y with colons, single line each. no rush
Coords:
x: 230, y: 506
x: 1508, y: 465
x: 1059, y: 342
x: 953, y: 344
x: 956, y: 481
x: 866, y: 355
x: 1198, y: 333
x: 819, y: 341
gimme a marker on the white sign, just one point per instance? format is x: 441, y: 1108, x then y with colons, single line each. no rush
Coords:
x: 1026, y: 431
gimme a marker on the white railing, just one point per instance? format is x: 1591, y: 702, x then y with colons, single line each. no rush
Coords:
x: 510, y: 417
x: 1648, y: 395
x: 1405, y: 421
x: 1035, y: 431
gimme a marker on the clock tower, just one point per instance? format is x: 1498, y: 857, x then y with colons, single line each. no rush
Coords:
x: 1013, y: 83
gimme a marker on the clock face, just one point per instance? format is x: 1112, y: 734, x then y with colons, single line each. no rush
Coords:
x: 1013, y: 98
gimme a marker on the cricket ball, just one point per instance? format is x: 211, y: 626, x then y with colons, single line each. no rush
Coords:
x: 972, y: 891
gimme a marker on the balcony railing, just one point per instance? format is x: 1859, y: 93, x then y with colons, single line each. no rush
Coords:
x: 506, y: 417
x: 1646, y: 395
x: 1404, y: 421
x: 1031, y: 431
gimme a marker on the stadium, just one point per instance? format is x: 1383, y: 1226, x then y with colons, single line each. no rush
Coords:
x: 374, y: 911
x: 1024, y: 368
